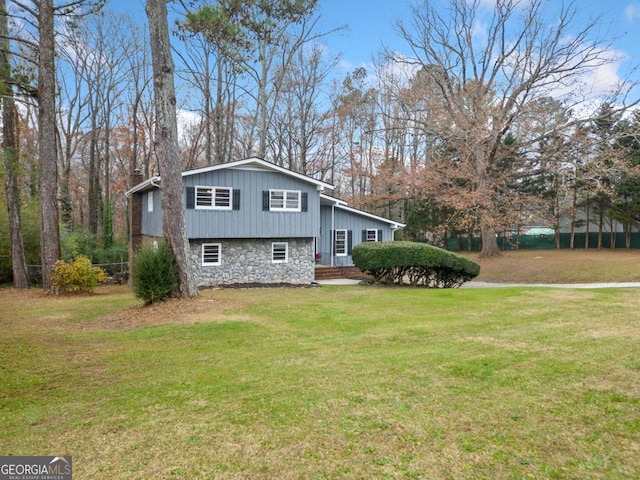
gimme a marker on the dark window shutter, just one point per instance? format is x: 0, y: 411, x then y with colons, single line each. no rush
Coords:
x: 236, y: 199
x: 333, y: 242
x: 379, y: 235
x: 265, y: 200
x: 364, y: 235
x: 349, y: 242
x: 305, y: 202
x: 191, y: 197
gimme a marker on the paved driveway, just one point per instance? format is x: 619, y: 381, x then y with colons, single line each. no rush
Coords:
x: 476, y: 284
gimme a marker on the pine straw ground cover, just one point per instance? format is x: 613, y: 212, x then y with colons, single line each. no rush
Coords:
x: 332, y: 382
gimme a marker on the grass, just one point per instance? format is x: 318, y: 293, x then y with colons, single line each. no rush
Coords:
x: 560, y: 266
x: 332, y: 382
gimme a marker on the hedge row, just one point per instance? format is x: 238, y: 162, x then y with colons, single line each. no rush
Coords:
x: 419, y: 263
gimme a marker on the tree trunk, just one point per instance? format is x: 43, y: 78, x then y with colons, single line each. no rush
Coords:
x: 627, y: 234
x: 600, y: 227
x: 574, y: 210
x: 95, y: 189
x: 588, y: 220
x: 47, y: 148
x: 489, y: 242
x: 488, y: 234
x: 107, y: 206
x: 263, y: 99
x: 9, y: 145
x: 166, y: 145
x: 13, y: 194
x: 613, y: 234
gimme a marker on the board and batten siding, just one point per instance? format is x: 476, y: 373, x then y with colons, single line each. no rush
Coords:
x: 250, y: 221
x: 352, y: 222
x: 152, y: 221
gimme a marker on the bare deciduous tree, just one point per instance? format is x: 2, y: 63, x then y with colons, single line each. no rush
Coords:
x: 488, y: 79
x: 298, y: 134
x: 40, y: 15
x: 213, y: 77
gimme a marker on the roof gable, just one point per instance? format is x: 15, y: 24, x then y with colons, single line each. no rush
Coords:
x: 342, y: 205
x: 148, y: 184
x: 255, y: 163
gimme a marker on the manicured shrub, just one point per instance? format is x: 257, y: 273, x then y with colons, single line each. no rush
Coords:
x: 419, y: 263
x: 155, y: 275
x: 77, y: 276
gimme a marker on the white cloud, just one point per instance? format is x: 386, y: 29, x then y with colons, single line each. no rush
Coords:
x: 605, y: 78
x: 632, y: 12
x: 187, y: 121
x: 491, y: 4
x: 600, y: 81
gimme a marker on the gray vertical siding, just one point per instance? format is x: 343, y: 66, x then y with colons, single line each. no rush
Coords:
x: 152, y: 221
x: 346, y: 220
x: 250, y: 221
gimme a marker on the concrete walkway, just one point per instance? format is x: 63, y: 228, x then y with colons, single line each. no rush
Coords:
x: 476, y: 284
x: 338, y: 281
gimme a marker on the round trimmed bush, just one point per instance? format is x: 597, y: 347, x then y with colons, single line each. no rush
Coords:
x: 420, y: 263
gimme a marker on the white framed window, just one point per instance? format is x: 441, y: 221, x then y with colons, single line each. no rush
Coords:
x: 285, y: 200
x: 341, y: 243
x: 150, y: 201
x: 211, y: 254
x: 214, y: 198
x: 372, y: 236
x: 279, y: 252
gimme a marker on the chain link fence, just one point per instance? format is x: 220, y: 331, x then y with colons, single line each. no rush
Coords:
x: 548, y: 242
x: 117, y: 273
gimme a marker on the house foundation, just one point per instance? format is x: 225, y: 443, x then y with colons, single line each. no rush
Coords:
x: 249, y: 261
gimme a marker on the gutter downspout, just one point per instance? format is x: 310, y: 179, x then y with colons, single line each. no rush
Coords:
x: 333, y: 232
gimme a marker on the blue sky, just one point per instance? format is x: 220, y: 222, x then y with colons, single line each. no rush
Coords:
x: 370, y: 24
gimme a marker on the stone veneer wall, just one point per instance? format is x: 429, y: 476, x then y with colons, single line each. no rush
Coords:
x: 248, y: 261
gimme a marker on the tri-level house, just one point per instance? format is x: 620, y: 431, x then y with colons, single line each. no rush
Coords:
x: 251, y: 221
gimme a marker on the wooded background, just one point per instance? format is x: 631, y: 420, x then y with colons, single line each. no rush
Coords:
x: 468, y: 136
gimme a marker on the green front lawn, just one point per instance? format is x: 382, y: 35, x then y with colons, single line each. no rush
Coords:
x: 331, y: 382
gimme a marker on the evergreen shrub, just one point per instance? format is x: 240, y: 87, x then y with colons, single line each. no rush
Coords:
x: 77, y: 276
x: 80, y: 242
x: 420, y: 263
x: 155, y: 275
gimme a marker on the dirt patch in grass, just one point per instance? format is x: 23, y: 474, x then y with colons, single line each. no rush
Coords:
x: 34, y: 310
x: 190, y: 311
x: 161, y: 313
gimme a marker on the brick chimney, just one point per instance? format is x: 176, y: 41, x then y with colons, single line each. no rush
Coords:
x: 135, y: 219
